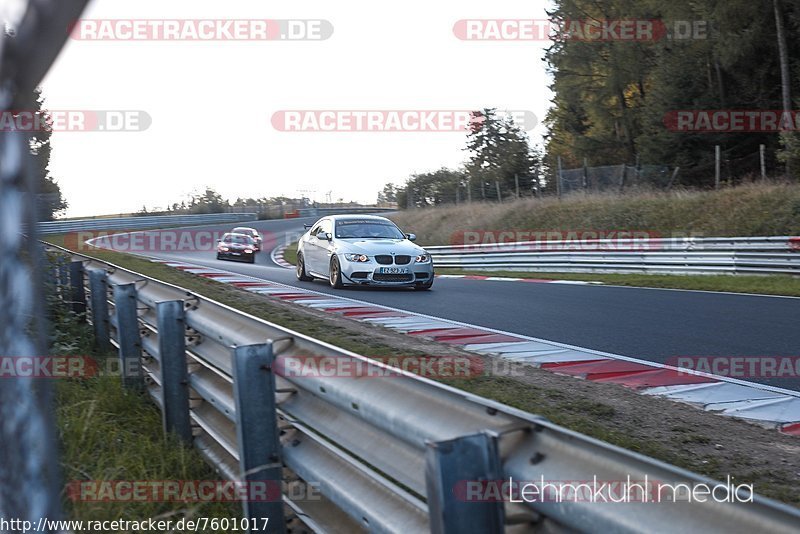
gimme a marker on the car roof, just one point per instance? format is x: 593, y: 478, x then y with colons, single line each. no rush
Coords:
x: 243, y: 228
x: 351, y: 217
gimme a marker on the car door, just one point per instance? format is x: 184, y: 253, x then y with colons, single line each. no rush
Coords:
x: 312, y: 251
x: 325, y: 247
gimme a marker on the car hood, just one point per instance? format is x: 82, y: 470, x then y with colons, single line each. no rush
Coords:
x: 371, y: 247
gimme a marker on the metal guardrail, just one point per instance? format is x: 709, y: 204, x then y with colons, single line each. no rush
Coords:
x: 387, y: 449
x: 140, y: 223
x: 734, y: 255
x: 321, y: 212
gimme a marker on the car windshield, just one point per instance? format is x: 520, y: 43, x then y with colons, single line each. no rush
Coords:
x: 240, y: 240
x: 367, y: 229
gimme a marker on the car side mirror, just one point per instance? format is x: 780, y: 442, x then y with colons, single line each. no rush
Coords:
x: 411, y: 237
x: 328, y: 236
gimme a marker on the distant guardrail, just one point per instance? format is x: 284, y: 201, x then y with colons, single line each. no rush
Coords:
x: 716, y: 255
x: 389, y: 451
x: 322, y: 212
x: 140, y: 223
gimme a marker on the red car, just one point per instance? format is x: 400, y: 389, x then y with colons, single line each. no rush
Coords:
x: 252, y: 232
x: 237, y: 247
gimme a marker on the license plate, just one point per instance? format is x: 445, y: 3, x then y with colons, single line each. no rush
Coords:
x: 393, y: 270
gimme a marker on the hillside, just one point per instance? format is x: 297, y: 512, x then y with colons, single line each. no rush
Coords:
x: 748, y: 210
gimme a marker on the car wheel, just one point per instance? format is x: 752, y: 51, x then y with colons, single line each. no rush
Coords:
x: 336, y: 274
x: 252, y: 259
x: 218, y: 256
x: 301, y: 269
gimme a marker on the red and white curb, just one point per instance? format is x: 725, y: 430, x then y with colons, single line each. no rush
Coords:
x: 277, y: 257
x: 769, y: 406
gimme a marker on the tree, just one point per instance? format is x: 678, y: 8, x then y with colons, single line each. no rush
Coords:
x: 499, y: 154
x: 388, y: 195
x: 208, y: 201
x: 51, y: 202
x: 612, y: 97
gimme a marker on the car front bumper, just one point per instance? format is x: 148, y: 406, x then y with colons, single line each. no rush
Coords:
x: 234, y: 255
x: 370, y: 274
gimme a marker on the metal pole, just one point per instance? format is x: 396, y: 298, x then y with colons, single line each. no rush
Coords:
x: 717, y: 158
x: 497, y: 186
x: 30, y: 472
x: 450, y: 468
x: 257, y: 431
x: 98, y: 284
x: 130, y: 342
x: 78, y: 292
x: 763, y: 156
x: 171, y: 320
x: 585, y: 174
x: 516, y: 183
x: 558, y: 181
x: 469, y: 190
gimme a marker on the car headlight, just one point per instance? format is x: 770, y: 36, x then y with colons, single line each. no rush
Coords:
x: 423, y: 258
x: 358, y: 258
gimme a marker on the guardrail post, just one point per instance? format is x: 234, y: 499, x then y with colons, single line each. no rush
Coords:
x: 130, y: 343
x: 451, y: 467
x: 257, y: 431
x: 98, y: 285
x: 78, y: 293
x: 174, y: 370
x: 63, y: 276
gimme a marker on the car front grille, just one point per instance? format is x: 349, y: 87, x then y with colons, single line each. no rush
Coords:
x: 378, y: 277
x: 384, y: 259
x: 402, y: 260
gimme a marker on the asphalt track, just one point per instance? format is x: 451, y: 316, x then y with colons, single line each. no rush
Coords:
x: 648, y: 324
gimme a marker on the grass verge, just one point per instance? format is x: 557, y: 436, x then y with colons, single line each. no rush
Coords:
x: 290, y: 254
x: 764, y: 285
x: 110, y: 434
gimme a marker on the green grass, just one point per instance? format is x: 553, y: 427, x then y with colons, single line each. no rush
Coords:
x: 765, y: 285
x: 108, y: 433
x: 290, y: 254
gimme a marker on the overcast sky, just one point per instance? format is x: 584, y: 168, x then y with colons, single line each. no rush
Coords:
x: 211, y: 102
